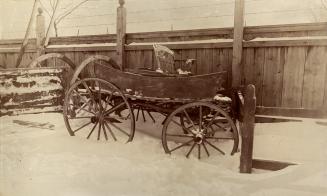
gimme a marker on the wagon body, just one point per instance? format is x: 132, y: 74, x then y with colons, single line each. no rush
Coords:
x: 172, y: 88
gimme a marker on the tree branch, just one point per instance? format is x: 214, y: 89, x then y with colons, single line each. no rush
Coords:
x: 59, y: 18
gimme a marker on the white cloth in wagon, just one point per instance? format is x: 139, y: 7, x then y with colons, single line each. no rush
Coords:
x: 166, y: 61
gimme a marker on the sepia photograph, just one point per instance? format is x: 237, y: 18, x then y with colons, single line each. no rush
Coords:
x: 163, y: 97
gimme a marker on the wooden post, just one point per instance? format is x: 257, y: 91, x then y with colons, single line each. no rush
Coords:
x: 40, y: 31
x: 121, y: 34
x: 27, y: 34
x: 247, y: 129
x: 237, y: 43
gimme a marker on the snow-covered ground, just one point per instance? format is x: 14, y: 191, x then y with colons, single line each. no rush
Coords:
x: 38, y: 157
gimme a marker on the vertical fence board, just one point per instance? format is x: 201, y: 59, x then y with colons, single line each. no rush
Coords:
x: 247, y: 66
x: 204, y: 58
x: 2, y: 60
x: 11, y: 60
x: 314, y: 75
x: 273, y: 77
x: 259, y: 59
x: 293, y: 77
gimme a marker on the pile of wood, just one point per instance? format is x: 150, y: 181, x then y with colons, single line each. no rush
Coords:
x: 30, y: 90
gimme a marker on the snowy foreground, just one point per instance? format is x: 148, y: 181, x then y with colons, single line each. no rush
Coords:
x: 39, y: 158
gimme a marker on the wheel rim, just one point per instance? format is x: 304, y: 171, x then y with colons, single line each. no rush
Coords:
x: 201, y: 129
x: 97, y: 109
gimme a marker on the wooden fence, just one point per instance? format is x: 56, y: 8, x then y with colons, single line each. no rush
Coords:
x: 290, y: 73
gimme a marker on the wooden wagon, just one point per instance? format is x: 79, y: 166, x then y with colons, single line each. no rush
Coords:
x: 102, y: 101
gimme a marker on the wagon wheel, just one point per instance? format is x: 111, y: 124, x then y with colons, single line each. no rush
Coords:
x: 199, y: 128
x: 95, y: 109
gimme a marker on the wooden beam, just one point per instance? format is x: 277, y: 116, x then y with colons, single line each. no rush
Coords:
x: 121, y: 34
x: 238, y: 42
x: 247, y: 129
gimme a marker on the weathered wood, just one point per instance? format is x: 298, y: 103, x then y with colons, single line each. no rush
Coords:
x: 237, y: 43
x: 259, y: 59
x: 273, y: 77
x: 40, y: 31
x: 171, y: 88
x: 204, y: 61
x: 315, y: 69
x: 293, y: 77
x: 248, y: 74
x: 30, y: 90
x: 121, y: 34
x: 247, y: 129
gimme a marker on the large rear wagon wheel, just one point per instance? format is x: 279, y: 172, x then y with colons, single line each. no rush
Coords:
x: 201, y: 129
x: 97, y: 109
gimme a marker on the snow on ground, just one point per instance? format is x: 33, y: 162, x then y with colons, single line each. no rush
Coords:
x: 38, y: 157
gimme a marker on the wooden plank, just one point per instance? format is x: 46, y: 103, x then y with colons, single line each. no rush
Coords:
x: 237, y: 43
x: 291, y: 112
x: 11, y: 60
x: 259, y: 60
x: 273, y: 77
x: 314, y: 77
x: 2, y: 60
x: 248, y: 66
x: 293, y: 77
x: 325, y: 94
x: 204, y: 61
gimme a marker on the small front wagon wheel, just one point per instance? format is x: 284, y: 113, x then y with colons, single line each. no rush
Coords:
x: 97, y: 109
x: 199, y: 128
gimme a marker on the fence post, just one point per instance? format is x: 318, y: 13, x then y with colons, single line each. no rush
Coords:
x: 121, y: 34
x: 237, y: 43
x: 247, y: 129
x: 40, y: 31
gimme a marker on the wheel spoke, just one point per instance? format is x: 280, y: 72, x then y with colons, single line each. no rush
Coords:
x: 104, y: 130
x: 212, y: 120
x: 80, y: 117
x: 90, y: 92
x: 99, y: 131
x: 114, y: 108
x: 219, y: 126
x: 189, y: 119
x: 199, y: 151
x: 138, y: 112
x: 184, y: 144
x: 186, y: 128
x: 175, y: 135
x: 92, y: 130
x: 118, y: 128
x: 200, y: 116
x: 222, y: 152
x: 110, y: 131
x: 99, y: 96
x: 82, y: 127
x: 220, y: 138
x: 191, y: 149
x: 205, y: 148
